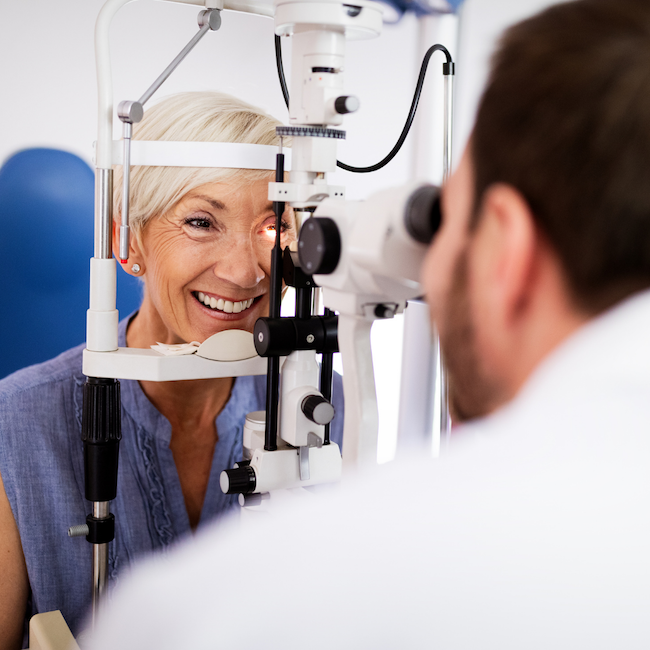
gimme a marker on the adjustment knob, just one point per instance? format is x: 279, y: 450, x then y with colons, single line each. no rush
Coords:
x: 346, y: 104
x: 240, y: 480
x: 274, y: 337
x: 317, y: 409
x: 130, y: 112
x: 319, y: 246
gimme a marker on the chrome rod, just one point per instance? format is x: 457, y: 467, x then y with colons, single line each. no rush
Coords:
x: 445, y: 415
x: 100, y: 560
x: 103, y: 213
x: 449, y: 110
x: 100, y: 575
x: 445, y: 418
x: 127, y: 129
x: 205, y: 28
x: 100, y: 509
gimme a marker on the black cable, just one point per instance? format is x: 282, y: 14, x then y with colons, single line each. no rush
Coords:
x: 447, y: 69
x: 409, y: 120
x: 278, y: 62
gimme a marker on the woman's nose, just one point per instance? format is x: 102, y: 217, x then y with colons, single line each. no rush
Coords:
x: 239, y: 265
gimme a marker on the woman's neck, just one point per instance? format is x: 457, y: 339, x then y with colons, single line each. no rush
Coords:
x: 148, y: 328
x: 191, y: 404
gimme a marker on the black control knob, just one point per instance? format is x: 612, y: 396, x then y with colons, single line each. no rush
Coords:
x: 319, y: 246
x: 346, y: 104
x: 385, y: 311
x: 317, y: 409
x: 240, y: 480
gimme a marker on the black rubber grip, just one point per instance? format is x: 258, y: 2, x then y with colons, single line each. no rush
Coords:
x: 101, y: 432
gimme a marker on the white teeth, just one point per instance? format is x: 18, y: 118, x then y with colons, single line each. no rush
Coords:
x: 227, y: 306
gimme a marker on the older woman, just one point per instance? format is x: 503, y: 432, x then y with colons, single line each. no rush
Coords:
x: 201, y: 244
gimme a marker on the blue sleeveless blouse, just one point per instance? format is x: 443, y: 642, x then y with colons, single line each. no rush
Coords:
x: 41, y: 464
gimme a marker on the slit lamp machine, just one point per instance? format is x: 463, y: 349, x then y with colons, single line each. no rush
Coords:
x: 360, y: 259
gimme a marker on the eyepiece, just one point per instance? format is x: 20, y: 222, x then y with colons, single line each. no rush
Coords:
x: 319, y: 246
x: 422, y: 215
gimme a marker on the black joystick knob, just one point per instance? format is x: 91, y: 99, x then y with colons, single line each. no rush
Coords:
x: 317, y: 409
x: 319, y: 247
x: 346, y: 104
x: 240, y: 480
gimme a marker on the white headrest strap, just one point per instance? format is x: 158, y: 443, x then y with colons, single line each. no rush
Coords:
x: 162, y: 153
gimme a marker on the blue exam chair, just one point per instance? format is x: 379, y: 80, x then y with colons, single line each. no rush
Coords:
x: 46, y: 241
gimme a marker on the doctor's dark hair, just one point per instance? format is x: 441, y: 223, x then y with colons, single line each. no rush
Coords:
x: 565, y: 119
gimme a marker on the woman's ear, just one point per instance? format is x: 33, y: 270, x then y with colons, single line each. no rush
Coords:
x: 135, y: 264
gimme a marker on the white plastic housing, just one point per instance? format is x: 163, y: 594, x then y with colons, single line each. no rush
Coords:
x: 290, y: 14
x: 314, y: 154
x: 280, y: 470
x: 254, y: 429
x: 149, y: 365
x: 299, y: 378
x: 311, y: 88
x: 380, y: 262
x: 361, y: 425
x: 319, y: 29
x: 302, y: 195
x: 102, y: 317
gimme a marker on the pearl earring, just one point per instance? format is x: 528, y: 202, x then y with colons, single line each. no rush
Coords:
x: 136, y: 268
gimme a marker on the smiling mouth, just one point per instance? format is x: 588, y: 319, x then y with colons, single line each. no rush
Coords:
x: 224, y: 306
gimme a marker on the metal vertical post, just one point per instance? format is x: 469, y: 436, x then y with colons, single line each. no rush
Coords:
x: 448, y: 70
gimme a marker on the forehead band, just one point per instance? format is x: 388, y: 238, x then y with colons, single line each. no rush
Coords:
x: 234, y: 155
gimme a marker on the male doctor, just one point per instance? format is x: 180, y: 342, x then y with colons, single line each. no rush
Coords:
x: 534, y: 531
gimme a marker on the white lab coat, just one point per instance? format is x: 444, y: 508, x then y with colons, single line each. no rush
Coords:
x: 532, y: 532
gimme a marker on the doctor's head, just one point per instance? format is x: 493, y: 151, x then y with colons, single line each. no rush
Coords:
x: 546, y: 221
x: 201, y: 237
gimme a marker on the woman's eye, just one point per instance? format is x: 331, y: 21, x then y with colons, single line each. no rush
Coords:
x: 284, y: 226
x: 199, y: 223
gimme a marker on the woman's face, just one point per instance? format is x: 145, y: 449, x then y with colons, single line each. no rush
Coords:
x: 207, y: 261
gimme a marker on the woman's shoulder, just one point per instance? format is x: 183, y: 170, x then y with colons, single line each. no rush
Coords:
x: 37, y: 379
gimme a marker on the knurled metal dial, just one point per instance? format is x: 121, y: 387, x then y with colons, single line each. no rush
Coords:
x: 309, y: 132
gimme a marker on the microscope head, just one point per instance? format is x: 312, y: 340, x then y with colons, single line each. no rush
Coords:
x: 371, y: 252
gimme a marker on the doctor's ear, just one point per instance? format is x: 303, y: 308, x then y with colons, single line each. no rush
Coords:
x: 135, y: 264
x: 505, y: 252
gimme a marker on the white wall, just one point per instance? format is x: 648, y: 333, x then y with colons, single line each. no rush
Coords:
x: 482, y: 22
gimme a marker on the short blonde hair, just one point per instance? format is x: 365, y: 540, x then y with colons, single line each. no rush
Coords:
x: 197, y: 117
